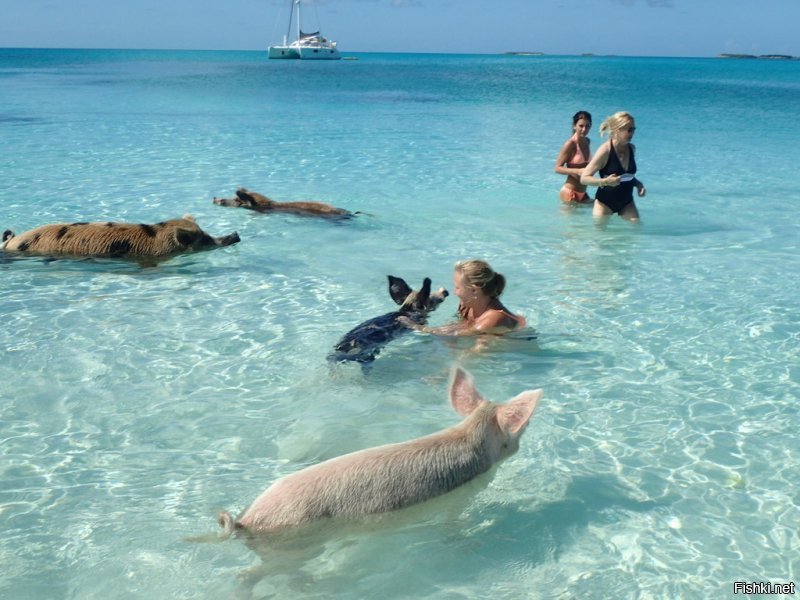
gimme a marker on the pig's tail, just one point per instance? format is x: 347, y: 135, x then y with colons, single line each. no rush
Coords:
x: 226, y: 522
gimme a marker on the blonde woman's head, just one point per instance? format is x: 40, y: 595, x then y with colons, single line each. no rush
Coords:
x: 616, y: 122
x: 479, y: 274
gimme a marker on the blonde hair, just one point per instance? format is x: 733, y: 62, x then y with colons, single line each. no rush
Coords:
x: 615, y: 122
x: 481, y: 275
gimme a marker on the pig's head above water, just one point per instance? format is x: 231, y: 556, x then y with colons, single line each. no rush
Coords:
x: 258, y: 202
x: 421, y: 301
x: 387, y: 478
x: 495, y: 427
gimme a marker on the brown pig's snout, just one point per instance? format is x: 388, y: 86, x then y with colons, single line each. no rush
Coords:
x: 229, y: 240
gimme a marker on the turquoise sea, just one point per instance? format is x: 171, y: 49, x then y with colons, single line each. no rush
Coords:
x: 135, y: 403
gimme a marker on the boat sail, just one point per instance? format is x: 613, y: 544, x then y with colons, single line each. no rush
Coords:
x: 308, y: 46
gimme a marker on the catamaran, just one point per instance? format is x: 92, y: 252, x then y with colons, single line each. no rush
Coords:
x: 307, y: 45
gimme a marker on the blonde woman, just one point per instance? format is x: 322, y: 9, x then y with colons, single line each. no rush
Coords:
x: 573, y: 157
x: 617, y: 165
x: 478, y: 288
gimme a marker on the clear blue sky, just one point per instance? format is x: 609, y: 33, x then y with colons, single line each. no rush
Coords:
x: 624, y: 27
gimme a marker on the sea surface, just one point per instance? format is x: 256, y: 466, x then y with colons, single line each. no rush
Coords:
x: 136, y: 402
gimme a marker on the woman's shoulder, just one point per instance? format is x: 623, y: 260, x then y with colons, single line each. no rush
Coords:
x: 603, y: 150
x: 569, y: 145
x: 499, y: 317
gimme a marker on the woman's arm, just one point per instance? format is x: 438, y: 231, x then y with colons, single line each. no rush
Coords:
x: 598, y: 162
x: 640, y: 189
x: 451, y: 329
x: 457, y: 329
x: 567, y: 150
x: 491, y: 321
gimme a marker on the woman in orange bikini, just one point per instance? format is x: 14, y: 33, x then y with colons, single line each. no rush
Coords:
x: 574, y: 156
x: 478, y: 288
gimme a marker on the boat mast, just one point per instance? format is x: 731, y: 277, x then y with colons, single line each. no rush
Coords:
x: 291, y: 14
x: 299, y: 32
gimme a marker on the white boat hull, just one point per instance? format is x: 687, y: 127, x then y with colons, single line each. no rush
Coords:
x: 304, y: 52
x: 283, y: 52
x: 319, y: 54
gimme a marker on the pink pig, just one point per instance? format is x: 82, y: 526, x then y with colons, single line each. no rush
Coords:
x: 394, y: 476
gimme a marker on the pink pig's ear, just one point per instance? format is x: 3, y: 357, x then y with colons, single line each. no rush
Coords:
x: 515, y: 414
x: 463, y: 395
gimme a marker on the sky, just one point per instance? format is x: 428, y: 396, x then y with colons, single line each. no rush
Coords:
x: 564, y: 27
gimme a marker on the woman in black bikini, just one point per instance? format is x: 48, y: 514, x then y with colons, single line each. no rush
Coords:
x: 617, y: 165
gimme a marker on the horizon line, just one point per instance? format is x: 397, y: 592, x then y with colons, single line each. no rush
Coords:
x: 514, y: 53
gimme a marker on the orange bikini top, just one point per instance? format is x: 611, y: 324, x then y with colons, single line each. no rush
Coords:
x: 578, y: 158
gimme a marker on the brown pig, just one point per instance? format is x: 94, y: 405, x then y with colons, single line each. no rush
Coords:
x: 391, y: 477
x: 260, y: 203
x: 116, y: 240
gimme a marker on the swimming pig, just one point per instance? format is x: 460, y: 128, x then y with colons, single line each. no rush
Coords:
x: 388, y: 478
x: 255, y: 201
x: 116, y: 240
x: 363, y: 343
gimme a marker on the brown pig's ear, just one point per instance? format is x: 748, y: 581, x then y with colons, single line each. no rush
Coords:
x: 464, y: 397
x: 247, y: 197
x: 186, y: 237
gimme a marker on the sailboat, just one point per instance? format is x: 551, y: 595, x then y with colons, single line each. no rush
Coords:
x: 307, y: 45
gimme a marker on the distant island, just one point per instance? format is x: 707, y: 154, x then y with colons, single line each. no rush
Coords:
x: 761, y: 56
x: 723, y: 55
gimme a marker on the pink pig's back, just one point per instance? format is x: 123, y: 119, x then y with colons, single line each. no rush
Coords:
x: 371, y: 481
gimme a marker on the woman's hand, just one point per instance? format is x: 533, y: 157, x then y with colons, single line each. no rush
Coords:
x: 610, y: 181
x: 408, y: 323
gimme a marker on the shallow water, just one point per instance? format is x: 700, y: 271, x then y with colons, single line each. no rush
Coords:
x: 137, y: 402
